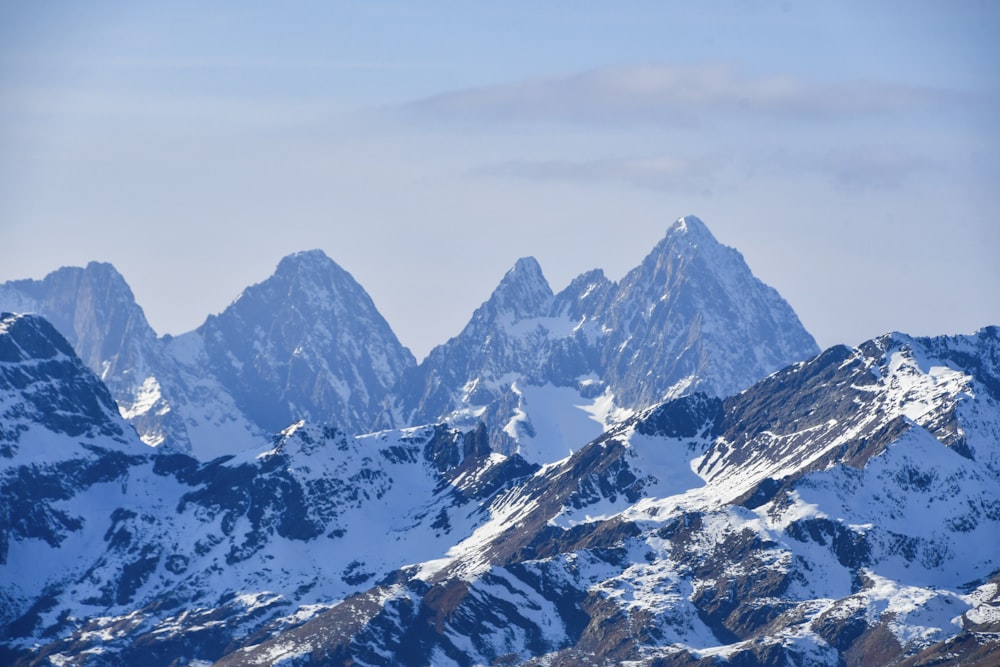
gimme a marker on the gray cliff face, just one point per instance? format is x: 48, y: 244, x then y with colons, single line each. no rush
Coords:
x: 842, y: 510
x: 94, y: 308
x: 307, y: 343
x: 691, y: 317
x: 835, y: 513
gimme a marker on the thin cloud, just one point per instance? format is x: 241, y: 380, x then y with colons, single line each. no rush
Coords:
x: 655, y: 173
x: 866, y: 168
x: 672, y: 94
x: 863, y: 168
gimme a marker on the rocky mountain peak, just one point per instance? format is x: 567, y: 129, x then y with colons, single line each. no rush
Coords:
x: 306, y: 342
x: 93, y: 307
x: 30, y: 337
x: 584, y: 296
x: 523, y: 292
x: 306, y: 269
x: 692, y: 227
x: 686, y: 241
x: 308, y: 279
x: 695, y: 303
x: 45, y: 384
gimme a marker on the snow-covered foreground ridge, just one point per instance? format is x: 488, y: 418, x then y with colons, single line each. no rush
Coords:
x: 845, y: 510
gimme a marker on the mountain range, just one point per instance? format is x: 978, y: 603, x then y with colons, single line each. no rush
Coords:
x: 663, y: 470
x: 544, y: 371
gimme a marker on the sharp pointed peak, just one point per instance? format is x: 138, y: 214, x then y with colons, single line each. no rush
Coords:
x: 303, y: 258
x: 523, y: 291
x: 689, y: 236
x: 592, y: 276
x: 526, y: 264
x: 690, y: 226
x: 311, y: 267
x: 525, y: 270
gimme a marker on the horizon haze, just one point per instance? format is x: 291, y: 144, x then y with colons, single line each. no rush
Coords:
x: 848, y: 151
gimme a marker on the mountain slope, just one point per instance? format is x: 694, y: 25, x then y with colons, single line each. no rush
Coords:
x: 60, y: 431
x: 94, y: 308
x: 692, y: 317
x: 543, y: 370
x: 113, y: 551
x: 844, y: 511
x: 306, y: 342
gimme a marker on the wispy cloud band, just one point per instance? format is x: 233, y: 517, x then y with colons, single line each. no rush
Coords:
x: 671, y: 94
x: 661, y: 172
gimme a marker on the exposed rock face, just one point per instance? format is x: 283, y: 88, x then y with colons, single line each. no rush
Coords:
x: 843, y: 510
x: 94, y: 308
x: 307, y: 342
x: 840, y: 512
x: 105, y: 537
x: 45, y: 386
x: 541, y: 367
x: 824, y: 516
x: 543, y: 371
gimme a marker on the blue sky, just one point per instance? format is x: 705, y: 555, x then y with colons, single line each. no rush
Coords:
x: 848, y: 150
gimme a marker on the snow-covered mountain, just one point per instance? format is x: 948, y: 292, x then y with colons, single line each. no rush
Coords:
x: 94, y: 308
x: 116, y: 553
x: 59, y: 429
x: 546, y: 371
x: 306, y: 342
x: 607, y: 475
x: 543, y: 371
x: 842, y: 511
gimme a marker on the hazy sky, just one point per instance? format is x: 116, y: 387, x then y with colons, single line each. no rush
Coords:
x: 849, y: 150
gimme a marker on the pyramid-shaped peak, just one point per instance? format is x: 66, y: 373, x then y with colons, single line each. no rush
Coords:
x: 526, y: 279
x: 692, y: 227
x: 305, y: 259
x: 525, y: 269
x: 313, y: 273
x: 523, y: 292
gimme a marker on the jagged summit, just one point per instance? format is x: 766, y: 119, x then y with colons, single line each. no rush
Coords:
x: 309, y: 267
x: 686, y: 240
x: 692, y: 226
x: 309, y: 275
x: 93, y: 307
x: 523, y: 292
x: 307, y: 342
x: 315, y: 256
x: 691, y: 317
